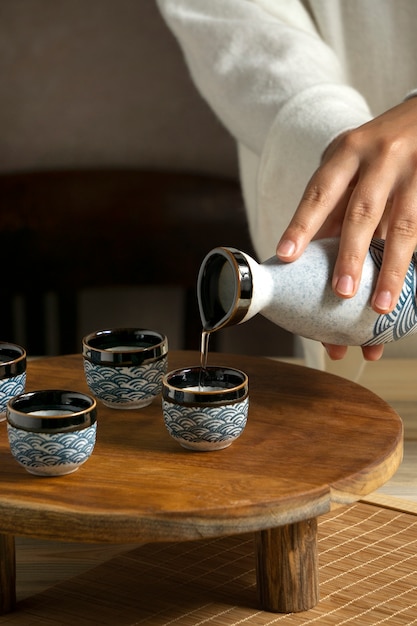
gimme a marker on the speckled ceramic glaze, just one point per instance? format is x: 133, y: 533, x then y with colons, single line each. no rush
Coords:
x: 298, y: 296
x: 52, y: 432
x: 206, y: 410
x: 124, y: 366
x: 12, y: 373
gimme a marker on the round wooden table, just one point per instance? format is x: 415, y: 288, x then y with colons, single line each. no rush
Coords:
x: 313, y: 441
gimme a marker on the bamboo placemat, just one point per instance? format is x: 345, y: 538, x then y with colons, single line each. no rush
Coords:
x: 368, y: 576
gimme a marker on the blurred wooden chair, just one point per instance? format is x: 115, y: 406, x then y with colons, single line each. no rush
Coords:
x: 62, y: 231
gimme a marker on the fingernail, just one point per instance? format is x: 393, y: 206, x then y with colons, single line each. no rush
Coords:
x: 344, y: 286
x: 286, y: 248
x: 383, y: 301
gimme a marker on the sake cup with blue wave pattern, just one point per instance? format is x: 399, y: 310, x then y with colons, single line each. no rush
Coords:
x: 52, y: 432
x: 12, y: 373
x: 205, y: 409
x: 124, y: 366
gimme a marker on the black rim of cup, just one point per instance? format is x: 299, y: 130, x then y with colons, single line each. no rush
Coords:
x: 12, y: 359
x: 145, y: 346
x: 82, y: 411
x: 229, y: 385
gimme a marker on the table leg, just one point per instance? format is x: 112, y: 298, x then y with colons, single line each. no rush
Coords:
x: 7, y: 573
x: 287, y: 567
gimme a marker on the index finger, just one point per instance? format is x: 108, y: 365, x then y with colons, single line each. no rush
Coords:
x: 324, y: 192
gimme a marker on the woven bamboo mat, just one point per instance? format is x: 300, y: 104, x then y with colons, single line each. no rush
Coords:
x: 368, y: 576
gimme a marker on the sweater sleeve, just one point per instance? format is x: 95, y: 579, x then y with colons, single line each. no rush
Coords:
x: 257, y: 60
x: 278, y: 88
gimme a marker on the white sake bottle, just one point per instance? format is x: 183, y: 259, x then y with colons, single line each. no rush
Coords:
x: 232, y: 287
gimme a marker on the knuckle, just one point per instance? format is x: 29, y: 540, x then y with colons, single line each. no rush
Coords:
x: 362, y: 211
x: 389, y: 148
x: 386, y: 148
x: 300, y: 226
x: 316, y: 195
x: 404, y: 228
x: 351, y: 142
x: 351, y: 258
x: 393, y: 275
x: 392, y: 149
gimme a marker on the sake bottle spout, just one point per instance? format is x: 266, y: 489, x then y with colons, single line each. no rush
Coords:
x: 225, y: 288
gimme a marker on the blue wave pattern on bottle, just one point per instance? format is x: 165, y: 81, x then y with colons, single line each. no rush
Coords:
x: 121, y: 385
x: 402, y: 320
x: 206, y: 424
x: 10, y: 387
x: 52, y: 453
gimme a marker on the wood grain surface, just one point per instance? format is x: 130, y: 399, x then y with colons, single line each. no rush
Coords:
x: 287, y: 567
x: 312, y: 441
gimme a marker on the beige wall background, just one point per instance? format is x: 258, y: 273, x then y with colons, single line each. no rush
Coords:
x: 100, y: 82
x: 103, y: 83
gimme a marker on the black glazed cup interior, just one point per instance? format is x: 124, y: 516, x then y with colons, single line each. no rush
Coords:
x: 210, y: 385
x: 52, y: 410
x: 12, y: 359
x: 124, y: 346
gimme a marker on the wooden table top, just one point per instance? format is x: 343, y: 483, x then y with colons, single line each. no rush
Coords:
x: 312, y: 441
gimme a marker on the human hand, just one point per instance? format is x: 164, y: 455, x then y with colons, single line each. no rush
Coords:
x: 366, y: 186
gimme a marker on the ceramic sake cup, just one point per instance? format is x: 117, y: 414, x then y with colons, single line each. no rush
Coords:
x: 205, y: 409
x: 12, y: 373
x: 124, y: 366
x: 52, y: 432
